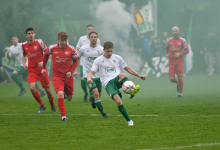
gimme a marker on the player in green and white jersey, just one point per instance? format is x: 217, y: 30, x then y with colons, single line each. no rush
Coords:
x: 16, y: 51
x: 84, y: 40
x: 90, y: 52
x: 109, y: 66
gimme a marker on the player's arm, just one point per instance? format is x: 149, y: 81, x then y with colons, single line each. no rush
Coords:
x: 9, y: 54
x: 89, y: 77
x: 133, y: 72
x: 73, y: 67
x: 186, y: 50
x: 79, y: 54
x: 45, y: 60
x: 24, y: 60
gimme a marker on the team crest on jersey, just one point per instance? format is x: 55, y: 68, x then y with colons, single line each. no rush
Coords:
x: 35, y: 47
x: 87, y: 50
x: 26, y: 49
x: 67, y: 53
x: 179, y: 43
x: 103, y: 61
x: 114, y: 61
x: 98, y: 52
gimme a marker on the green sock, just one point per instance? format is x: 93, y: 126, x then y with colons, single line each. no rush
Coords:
x: 91, y: 94
x: 125, y: 79
x: 124, y: 112
x: 83, y: 85
x: 98, y: 103
x: 17, y: 80
x: 37, y: 88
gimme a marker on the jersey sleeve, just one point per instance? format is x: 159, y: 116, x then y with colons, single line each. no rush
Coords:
x: 10, y: 54
x: 122, y: 62
x: 184, y: 44
x: 98, y: 42
x: 74, y: 54
x: 79, y: 45
x: 80, y: 52
x: 22, y: 46
x: 95, y: 65
x: 167, y: 47
x: 42, y: 45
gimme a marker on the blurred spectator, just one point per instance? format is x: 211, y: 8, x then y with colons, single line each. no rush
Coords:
x: 2, y: 79
x: 146, y: 55
x: 211, y: 48
x: 157, y: 49
x: 164, y: 38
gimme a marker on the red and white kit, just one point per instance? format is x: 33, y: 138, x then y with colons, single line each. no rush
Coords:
x: 34, y: 52
x: 62, y: 63
x: 175, y: 46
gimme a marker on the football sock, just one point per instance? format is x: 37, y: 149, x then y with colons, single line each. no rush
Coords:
x: 51, y: 100
x: 124, y: 112
x: 83, y: 85
x: 37, y: 97
x: 38, y: 88
x: 176, y: 81
x: 98, y: 103
x: 61, y: 106
x: 17, y: 80
x: 180, y: 86
x: 124, y: 79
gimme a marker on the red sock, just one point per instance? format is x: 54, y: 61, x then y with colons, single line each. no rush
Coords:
x: 51, y: 100
x: 61, y: 106
x: 37, y: 97
x: 180, y: 86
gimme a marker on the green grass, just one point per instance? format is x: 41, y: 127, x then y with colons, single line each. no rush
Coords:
x: 161, y: 120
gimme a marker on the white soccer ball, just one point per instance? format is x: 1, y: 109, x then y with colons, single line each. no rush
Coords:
x: 128, y: 87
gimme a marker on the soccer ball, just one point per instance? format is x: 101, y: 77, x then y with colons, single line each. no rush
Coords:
x: 128, y: 87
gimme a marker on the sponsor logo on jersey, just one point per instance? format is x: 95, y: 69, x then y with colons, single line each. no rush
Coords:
x: 55, y: 52
x: 87, y: 50
x: 110, y: 69
x: 59, y: 59
x: 26, y: 49
x: 30, y: 55
x: 174, y: 48
x: 103, y: 61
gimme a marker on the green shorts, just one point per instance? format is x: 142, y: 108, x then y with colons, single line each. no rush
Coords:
x: 22, y: 71
x: 113, y: 87
x: 81, y: 70
x: 95, y: 84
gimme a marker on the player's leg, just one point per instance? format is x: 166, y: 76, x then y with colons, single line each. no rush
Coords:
x: 68, y: 88
x: 17, y: 80
x: 210, y: 69
x: 172, y: 71
x: 60, y: 98
x: 83, y: 84
x: 180, y: 80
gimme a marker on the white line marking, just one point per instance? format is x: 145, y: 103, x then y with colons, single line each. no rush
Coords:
x: 181, y: 147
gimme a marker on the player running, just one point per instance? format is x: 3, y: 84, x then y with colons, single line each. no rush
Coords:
x: 33, y: 49
x: 62, y: 56
x: 90, y: 52
x: 173, y: 52
x: 109, y: 66
x: 84, y: 40
x: 16, y: 51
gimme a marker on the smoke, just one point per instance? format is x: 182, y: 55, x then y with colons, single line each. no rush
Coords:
x: 115, y: 25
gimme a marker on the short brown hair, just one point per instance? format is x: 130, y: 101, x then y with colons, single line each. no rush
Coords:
x: 92, y: 33
x: 62, y: 35
x: 29, y: 29
x: 14, y: 35
x: 89, y: 25
x: 108, y: 45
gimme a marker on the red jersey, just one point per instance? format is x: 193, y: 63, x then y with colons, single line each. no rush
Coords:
x: 62, y: 59
x: 176, y: 46
x: 34, y: 52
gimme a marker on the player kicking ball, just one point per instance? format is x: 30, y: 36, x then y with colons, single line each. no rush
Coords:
x: 62, y: 57
x: 109, y: 66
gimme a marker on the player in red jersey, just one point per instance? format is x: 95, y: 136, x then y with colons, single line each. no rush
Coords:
x: 62, y: 56
x: 173, y: 52
x: 33, y: 49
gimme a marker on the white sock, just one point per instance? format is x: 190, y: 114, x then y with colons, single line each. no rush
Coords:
x: 63, y: 117
x: 180, y: 93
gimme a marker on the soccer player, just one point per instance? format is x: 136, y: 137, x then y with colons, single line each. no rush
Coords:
x: 62, y: 56
x: 90, y: 52
x: 173, y: 52
x: 84, y: 40
x: 33, y: 49
x: 109, y: 66
x: 16, y: 51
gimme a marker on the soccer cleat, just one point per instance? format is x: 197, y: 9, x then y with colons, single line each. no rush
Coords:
x: 177, y: 87
x: 22, y: 92
x: 64, y: 119
x: 105, y: 115
x: 85, y: 98
x: 42, y: 108
x: 42, y: 93
x: 53, y: 109
x: 130, y: 123
x: 158, y: 74
x: 179, y: 96
x: 136, y: 90
x: 93, y: 101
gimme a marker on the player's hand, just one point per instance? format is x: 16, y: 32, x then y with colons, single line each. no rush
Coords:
x: 68, y: 74
x: 167, y: 56
x: 76, y: 73
x: 89, y: 80
x: 143, y: 77
x: 177, y: 55
x: 40, y: 64
x: 8, y: 51
x: 25, y: 67
x: 43, y: 72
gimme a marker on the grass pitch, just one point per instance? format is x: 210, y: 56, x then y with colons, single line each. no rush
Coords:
x: 161, y: 120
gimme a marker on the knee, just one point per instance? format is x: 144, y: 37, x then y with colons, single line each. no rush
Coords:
x: 96, y: 94
x: 122, y: 75
x: 172, y: 80
x: 60, y: 94
x: 119, y: 102
x: 33, y: 89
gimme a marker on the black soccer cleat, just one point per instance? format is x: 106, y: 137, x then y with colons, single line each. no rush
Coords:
x: 22, y: 92
x: 64, y: 119
x: 105, y: 115
x: 93, y: 102
x: 179, y: 96
x: 85, y: 98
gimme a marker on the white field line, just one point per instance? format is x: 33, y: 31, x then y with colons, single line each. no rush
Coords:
x: 20, y: 114
x: 181, y: 147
